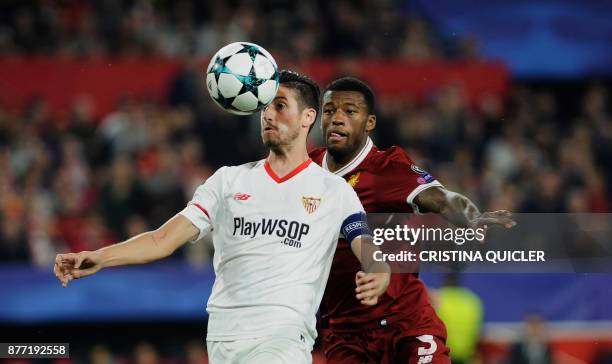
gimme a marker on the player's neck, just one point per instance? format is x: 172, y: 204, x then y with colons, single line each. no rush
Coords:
x: 336, y: 162
x: 285, y: 160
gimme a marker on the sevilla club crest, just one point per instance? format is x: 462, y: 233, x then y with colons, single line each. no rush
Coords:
x: 311, y: 204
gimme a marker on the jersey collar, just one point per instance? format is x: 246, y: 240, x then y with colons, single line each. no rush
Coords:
x: 278, y: 179
x: 352, y: 164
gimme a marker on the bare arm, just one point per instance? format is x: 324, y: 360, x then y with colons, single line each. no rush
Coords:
x: 364, y: 250
x: 143, y: 248
x: 150, y: 246
x: 374, y: 283
x: 459, y: 210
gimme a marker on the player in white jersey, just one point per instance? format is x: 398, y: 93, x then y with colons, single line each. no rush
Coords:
x: 275, y: 224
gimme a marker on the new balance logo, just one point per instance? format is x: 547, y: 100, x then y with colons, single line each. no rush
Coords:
x: 241, y: 196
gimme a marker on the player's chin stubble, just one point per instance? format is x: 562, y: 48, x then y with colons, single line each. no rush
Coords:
x: 341, y: 152
x: 276, y: 142
x: 271, y: 143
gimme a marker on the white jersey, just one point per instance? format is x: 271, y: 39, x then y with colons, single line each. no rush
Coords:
x: 274, y: 240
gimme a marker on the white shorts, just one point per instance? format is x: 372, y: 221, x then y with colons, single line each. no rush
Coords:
x: 269, y: 350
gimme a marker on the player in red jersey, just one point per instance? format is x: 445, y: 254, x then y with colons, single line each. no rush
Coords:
x: 403, y: 327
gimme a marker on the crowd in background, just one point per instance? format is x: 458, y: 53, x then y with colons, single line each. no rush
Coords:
x: 75, y: 182
x: 368, y: 28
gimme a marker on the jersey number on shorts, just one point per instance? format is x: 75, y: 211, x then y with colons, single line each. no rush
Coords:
x: 425, y: 353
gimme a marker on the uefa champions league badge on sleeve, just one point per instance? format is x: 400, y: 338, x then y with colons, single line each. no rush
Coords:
x: 425, y: 176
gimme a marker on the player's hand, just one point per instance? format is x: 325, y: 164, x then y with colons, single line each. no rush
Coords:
x: 490, y: 218
x: 499, y: 217
x: 370, y: 286
x: 76, y: 265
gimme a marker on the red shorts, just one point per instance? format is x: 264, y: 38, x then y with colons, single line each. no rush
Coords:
x: 385, y: 345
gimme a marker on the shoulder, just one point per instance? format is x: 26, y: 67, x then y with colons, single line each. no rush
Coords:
x: 232, y: 172
x: 330, y: 179
x: 394, y: 169
x: 390, y: 160
x: 394, y: 154
x: 317, y: 155
x: 246, y: 166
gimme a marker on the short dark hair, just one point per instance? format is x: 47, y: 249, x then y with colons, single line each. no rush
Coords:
x: 308, y: 91
x: 354, y: 84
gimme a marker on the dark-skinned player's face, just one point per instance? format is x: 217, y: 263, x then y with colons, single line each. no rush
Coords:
x: 344, y: 122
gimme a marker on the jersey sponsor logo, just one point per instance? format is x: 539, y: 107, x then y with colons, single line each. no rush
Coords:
x: 354, y: 179
x: 241, y: 196
x: 311, y: 204
x: 291, y: 232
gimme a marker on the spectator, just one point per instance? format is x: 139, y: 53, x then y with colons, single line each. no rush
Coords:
x: 532, y: 347
x: 100, y: 354
x: 462, y: 312
x: 122, y: 196
x: 195, y: 353
x: 146, y: 353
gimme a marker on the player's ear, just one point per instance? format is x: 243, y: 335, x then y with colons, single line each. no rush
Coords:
x: 370, y: 123
x: 310, y: 117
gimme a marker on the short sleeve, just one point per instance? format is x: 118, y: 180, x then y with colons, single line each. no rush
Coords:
x: 205, y: 204
x: 354, y: 221
x: 398, y: 183
x: 421, y: 180
x: 350, y: 202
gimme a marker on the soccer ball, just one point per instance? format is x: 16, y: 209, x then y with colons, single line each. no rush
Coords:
x: 242, y: 78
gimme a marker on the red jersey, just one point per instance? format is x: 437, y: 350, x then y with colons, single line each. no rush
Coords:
x: 385, y: 181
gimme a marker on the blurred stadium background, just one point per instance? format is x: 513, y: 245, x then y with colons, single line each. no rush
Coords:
x: 106, y: 130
